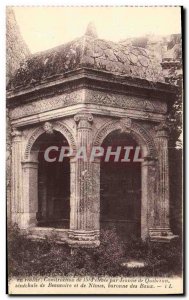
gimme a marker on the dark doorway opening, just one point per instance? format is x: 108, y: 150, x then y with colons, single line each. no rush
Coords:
x: 120, y: 189
x: 53, y: 184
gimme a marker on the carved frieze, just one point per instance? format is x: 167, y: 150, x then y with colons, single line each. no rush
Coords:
x: 47, y: 104
x: 125, y: 101
x: 89, y: 97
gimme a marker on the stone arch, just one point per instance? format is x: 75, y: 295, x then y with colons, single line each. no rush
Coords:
x: 138, y: 132
x: 148, y: 166
x: 62, y: 128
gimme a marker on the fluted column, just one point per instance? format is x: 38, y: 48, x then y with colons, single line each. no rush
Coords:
x: 84, y: 229
x: 16, y: 177
x: 162, y: 224
x: 149, y: 174
x: 42, y: 207
x: 30, y: 194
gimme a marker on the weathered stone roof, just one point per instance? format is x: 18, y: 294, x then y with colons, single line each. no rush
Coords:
x: 91, y: 52
x: 15, y: 51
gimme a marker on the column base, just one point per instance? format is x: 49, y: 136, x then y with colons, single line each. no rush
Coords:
x: 84, y: 238
x: 161, y: 235
x: 24, y: 220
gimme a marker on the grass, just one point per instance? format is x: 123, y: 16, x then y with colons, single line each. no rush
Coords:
x: 39, y: 258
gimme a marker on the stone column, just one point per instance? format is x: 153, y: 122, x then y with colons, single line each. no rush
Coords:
x: 16, y: 177
x: 30, y: 194
x: 162, y: 227
x: 42, y: 207
x: 149, y: 178
x: 84, y: 227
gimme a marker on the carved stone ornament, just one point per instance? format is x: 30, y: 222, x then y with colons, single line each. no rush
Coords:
x: 91, y: 97
x: 83, y: 120
x: 48, y: 128
x: 64, y: 129
x: 125, y: 125
x: 162, y: 129
x: 15, y: 132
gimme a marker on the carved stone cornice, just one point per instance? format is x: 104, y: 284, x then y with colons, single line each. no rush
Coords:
x: 85, y: 77
x: 140, y: 104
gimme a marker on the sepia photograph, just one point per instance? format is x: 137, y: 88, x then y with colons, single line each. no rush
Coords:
x: 94, y: 150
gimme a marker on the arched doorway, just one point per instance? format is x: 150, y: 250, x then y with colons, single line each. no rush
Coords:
x: 53, y: 208
x: 120, y: 187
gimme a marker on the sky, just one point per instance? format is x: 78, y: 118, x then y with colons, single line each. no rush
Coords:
x: 46, y: 27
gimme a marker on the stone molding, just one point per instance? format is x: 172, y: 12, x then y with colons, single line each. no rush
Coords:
x: 46, y: 104
x: 89, y: 97
x: 138, y: 132
x: 84, y: 238
x: 125, y: 101
x: 64, y: 129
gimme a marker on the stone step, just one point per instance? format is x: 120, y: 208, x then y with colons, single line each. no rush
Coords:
x: 60, y: 235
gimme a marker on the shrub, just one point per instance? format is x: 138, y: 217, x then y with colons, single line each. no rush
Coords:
x: 27, y: 257
x: 161, y: 259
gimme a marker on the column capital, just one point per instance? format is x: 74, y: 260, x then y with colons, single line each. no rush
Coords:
x: 16, y: 134
x: 162, y: 130
x: 83, y: 120
x: 30, y: 164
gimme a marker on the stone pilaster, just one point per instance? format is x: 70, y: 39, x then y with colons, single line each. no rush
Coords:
x: 161, y: 227
x: 149, y: 177
x: 42, y: 207
x: 84, y: 229
x: 30, y: 194
x: 16, y: 177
